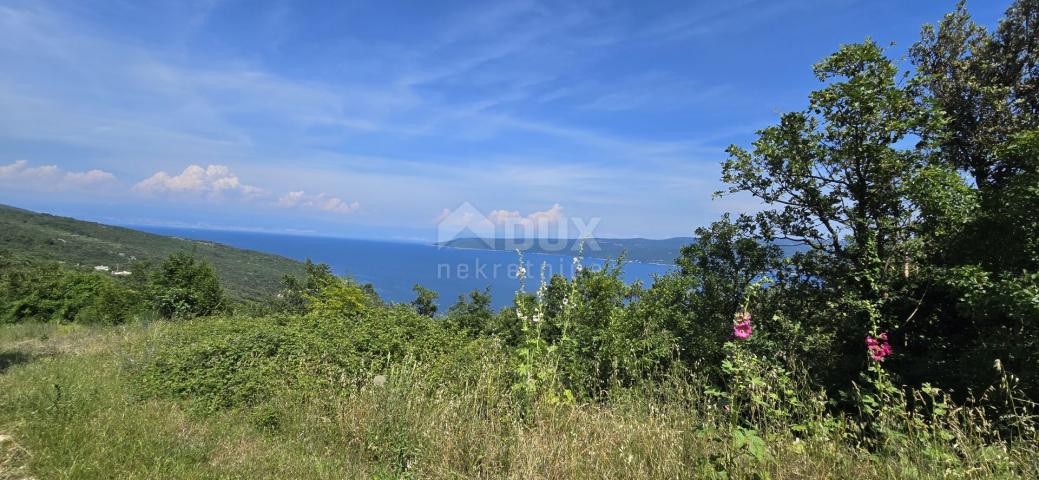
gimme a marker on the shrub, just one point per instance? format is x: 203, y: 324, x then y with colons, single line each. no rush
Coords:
x: 225, y: 362
x: 51, y: 292
x: 184, y: 287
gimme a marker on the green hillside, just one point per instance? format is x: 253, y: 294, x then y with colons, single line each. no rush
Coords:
x: 39, y: 236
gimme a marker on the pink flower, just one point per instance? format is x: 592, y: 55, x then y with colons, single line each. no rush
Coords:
x: 878, y: 348
x: 742, y: 328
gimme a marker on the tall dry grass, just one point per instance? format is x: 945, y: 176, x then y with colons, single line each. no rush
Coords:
x: 76, y: 414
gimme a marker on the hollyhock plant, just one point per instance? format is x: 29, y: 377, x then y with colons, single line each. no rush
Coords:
x: 878, y: 347
x: 742, y: 329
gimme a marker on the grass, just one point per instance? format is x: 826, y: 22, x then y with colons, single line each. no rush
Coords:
x: 70, y: 408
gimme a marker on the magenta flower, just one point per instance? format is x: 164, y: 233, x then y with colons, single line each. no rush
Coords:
x: 742, y: 329
x: 878, y: 347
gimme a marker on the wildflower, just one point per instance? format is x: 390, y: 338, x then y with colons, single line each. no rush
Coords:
x: 878, y: 347
x: 742, y: 329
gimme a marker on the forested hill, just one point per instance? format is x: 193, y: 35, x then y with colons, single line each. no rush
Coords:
x: 634, y: 249
x: 26, y: 235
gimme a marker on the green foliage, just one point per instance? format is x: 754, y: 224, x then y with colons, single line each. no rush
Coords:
x: 425, y: 302
x: 984, y: 85
x: 832, y: 187
x: 896, y: 240
x: 339, y: 298
x: 471, y: 314
x: 181, y: 287
x: 81, y: 415
x: 50, y: 292
x: 715, y: 272
x: 184, y: 287
x: 221, y: 363
x: 225, y: 362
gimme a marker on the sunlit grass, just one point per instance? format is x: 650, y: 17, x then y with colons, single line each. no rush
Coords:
x: 70, y: 410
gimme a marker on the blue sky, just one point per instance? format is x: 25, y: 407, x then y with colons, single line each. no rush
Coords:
x: 370, y: 119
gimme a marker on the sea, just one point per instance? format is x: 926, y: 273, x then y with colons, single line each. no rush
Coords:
x: 394, y: 267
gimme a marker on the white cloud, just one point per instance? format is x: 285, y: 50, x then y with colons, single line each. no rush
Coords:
x: 552, y: 216
x: 218, y: 181
x: 89, y: 176
x: 51, y: 177
x: 337, y: 205
x: 290, y: 199
x: 321, y: 201
x: 211, y: 180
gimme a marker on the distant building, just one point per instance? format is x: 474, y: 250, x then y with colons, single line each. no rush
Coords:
x: 101, y: 268
x: 121, y: 273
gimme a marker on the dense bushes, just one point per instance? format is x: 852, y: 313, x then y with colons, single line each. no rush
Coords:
x: 405, y: 394
x: 222, y: 362
x: 181, y: 287
x: 184, y: 287
x: 50, y: 292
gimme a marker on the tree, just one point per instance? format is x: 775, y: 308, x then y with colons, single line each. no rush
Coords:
x: 981, y: 282
x: 296, y: 290
x: 985, y: 84
x: 425, y: 302
x: 340, y: 297
x: 713, y: 275
x: 725, y: 259
x: 472, y: 315
x: 834, y: 178
x: 184, y: 287
x: 838, y: 179
x: 982, y: 257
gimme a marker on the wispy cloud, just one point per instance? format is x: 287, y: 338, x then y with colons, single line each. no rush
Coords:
x: 321, y: 201
x: 735, y: 16
x: 516, y: 99
x: 550, y: 216
x: 51, y: 177
x: 217, y: 182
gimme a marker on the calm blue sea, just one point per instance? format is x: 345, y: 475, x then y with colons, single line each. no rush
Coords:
x: 394, y: 267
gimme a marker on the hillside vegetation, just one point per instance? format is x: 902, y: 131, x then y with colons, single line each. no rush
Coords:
x: 343, y: 386
x: 36, y: 237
